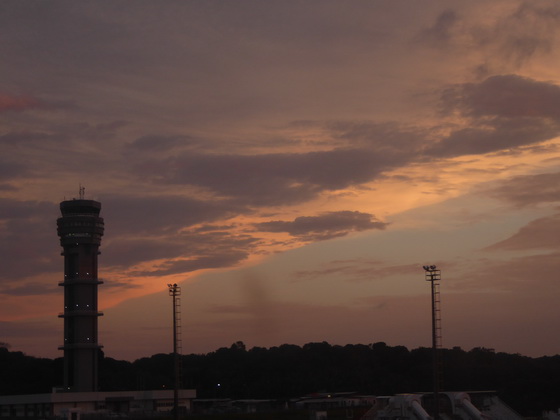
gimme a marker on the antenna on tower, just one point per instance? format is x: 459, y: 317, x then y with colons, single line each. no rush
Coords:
x: 82, y: 192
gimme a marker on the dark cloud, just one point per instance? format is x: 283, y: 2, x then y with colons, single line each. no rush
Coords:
x: 509, y: 96
x: 29, y: 243
x: 496, y: 135
x: 11, y: 170
x: 158, y: 143
x: 149, y: 229
x: 528, y: 190
x: 129, y: 251
x: 397, y: 143
x: 32, y: 210
x: 115, y: 284
x: 71, y: 136
x: 7, y: 187
x: 441, y: 32
x: 69, y: 148
x: 509, y: 41
x: 270, y: 179
x: 136, y: 215
x: 213, y: 228
x: 23, y: 139
x: 47, y: 46
x: 505, y: 111
x: 137, y: 230
x: 93, y: 134
x: 538, y: 234
x: 517, y: 37
x: 326, y: 226
x: 18, y: 139
x: 218, y: 260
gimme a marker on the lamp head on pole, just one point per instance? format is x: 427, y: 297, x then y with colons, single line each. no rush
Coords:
x: 174, y: 290
x: 432, y: 273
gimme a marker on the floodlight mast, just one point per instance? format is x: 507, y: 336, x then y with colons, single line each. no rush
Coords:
x: 433, y: 275
x: 175, y: 292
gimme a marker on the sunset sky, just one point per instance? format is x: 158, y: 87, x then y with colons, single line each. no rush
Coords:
x: 291, y: 164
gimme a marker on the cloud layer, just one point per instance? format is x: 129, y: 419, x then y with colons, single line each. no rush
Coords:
x: 219, y: 135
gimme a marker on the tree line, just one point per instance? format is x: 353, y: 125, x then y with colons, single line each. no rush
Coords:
x: 529, y: 385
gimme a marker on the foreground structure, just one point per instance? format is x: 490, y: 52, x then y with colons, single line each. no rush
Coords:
x: 71, y: 405
x: 452, y: 405
x: 80, y: 230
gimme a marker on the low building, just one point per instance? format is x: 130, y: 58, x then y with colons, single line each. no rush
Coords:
x: 348, y: 405
x: 71, y: 405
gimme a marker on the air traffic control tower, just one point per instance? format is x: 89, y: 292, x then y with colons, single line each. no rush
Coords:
x: 80, y: 229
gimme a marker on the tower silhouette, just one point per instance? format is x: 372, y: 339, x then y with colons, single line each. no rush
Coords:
x: 80, y: 230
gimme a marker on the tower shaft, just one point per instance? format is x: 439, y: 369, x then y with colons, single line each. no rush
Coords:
x: 80, y: 230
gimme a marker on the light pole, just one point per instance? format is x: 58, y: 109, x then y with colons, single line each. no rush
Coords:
x: 433, y: 275
x: 175, y: 292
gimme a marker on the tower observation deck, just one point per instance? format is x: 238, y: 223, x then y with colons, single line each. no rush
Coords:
x: 80, y: 230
